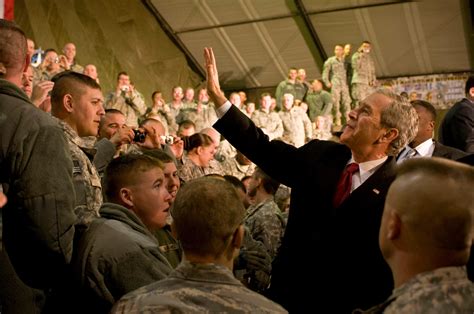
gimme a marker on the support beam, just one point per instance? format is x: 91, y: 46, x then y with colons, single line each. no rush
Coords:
x: 307, y: 30
x: 467, y: 9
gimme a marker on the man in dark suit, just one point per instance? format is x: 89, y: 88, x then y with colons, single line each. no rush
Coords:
x: 348, y: 271
x: 423, y: 144
x: 457, y: 128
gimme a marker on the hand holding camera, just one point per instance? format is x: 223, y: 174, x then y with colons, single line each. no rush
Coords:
x: 62, y: 60
x: 124, y: 135
x: 177, y: 147
x: 124, y: 91
x: 167, y: 139
x: 41, y: 92
x: 147, y: 137
x: 139, y: 136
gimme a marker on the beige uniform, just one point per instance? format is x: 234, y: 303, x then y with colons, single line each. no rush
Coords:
x: 270, y: 123
x: 87, y: 186
x: 133, y: 107
x: 296, y: 126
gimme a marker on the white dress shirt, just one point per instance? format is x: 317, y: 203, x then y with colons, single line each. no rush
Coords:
x: 366, y: 169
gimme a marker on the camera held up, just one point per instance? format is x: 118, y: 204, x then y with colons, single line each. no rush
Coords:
x: 139, y: 136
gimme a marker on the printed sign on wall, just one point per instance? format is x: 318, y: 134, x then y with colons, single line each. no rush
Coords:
x: 442, y: 90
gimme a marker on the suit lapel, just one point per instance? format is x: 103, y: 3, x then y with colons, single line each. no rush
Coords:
x: 375, y: 186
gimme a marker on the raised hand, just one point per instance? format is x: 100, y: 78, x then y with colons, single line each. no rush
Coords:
x: 213, y: 86
x: 41, y: 92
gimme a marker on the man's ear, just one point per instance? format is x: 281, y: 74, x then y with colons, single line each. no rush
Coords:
x: 68, y: 103
x: 388, y: 136
x: 126, y: 197
x: 238, y: 237
x: 432, y: 125
x: 471, y: 92
x: 27, y: 62
x: 394, y: 226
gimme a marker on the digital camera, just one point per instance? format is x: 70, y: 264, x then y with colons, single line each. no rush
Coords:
x: 125, y: 88
x: 139, y: 136
x: 168, y: 139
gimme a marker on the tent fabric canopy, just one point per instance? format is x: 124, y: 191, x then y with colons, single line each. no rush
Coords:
x: 257, y: 41
x: 160, y: 42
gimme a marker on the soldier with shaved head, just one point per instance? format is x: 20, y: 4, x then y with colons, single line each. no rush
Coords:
x: 426, y: 237
x: 35, y: 172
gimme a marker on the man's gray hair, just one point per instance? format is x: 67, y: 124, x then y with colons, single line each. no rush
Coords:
x: 399, y: 115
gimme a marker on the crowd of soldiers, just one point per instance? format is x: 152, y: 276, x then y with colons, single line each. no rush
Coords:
x: 349, y: 78
x: 104, y: 134
x: 98, y: 220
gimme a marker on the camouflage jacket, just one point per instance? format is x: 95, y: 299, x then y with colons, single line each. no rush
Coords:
x: 85, y: 177
x: 165, y: 117
x: 363, y: 68
x: 297, y: 89
x: 270, y: 123
x: 443, y: 290
x: 296, y: 126
x: 319, y: 104
x: 203, y: 116
x: 174, y: 110
x: 196, y: 288
x: 133, y: 108
x: 334, y: 72
x: 232, y: 167
x: 189, y: 170
x: 225, y: 151
x: 266, y: 224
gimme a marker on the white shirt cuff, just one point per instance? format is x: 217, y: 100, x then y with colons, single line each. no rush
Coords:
x: 222, y: 110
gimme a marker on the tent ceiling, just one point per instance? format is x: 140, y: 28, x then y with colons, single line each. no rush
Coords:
x: 257, y: 41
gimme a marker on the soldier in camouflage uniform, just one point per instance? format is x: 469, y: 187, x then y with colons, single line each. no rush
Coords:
x: 296, y: 124
x: 335, y: 78
x: 268, y: 121
x: 69, y: 51
x: 363, y: 74
x: 49, y: 68
x: 177, y: 103
x: 126, y: 99
x: 428, y: 257
x: 162, y: 111
x: 319, y: 101
x: 79, y: 114
x: 202, y: 113
x: 235, y: 99
x: 188, y: 99
x: 239, y: 167
x: 265, y: 223
x: 201, y: 149
x: 290, y: 85
x: 207, y: 216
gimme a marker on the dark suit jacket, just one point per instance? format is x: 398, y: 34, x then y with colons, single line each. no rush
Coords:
x: 447, y: 152
x: 334, y: 251
x: 457, y: 128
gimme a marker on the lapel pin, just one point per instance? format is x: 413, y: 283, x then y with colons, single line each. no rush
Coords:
x: 376, y: 191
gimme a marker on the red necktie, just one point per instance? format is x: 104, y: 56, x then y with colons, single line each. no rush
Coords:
x: 345, y: 184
